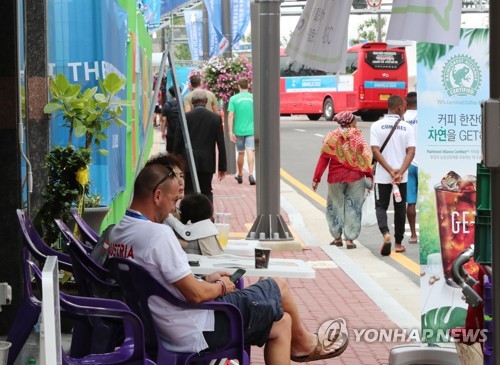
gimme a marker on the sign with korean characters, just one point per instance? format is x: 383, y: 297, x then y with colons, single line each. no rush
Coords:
x: 452, y: 83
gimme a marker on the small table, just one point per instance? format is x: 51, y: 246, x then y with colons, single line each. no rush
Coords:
x: 241, y: 247
x: 285, y: 268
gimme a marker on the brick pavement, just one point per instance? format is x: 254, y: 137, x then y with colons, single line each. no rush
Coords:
x: 331, y: 295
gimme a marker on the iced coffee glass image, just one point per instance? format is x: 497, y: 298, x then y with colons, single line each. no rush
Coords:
x: 456, y: 212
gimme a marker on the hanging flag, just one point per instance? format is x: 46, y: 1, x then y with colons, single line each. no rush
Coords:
x: 240, y: 17
x: 151, y: 11
x: 320, y: 37
x: 425, y: 21
x: 194, y: 30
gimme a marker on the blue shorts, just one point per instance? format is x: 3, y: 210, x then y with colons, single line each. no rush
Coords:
x: 243, y: 142
x: 260, y: 306
x: 412, y: 186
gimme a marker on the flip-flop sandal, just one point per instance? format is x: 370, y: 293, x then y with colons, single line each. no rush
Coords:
x: 326, y: 342
x: 351, y: 246
x: 337, y: 243
x: 385, y: 250
x: 400, y: 250
x: 412, y: 242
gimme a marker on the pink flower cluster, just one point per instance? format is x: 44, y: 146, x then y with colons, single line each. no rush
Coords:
x: 220, y: 75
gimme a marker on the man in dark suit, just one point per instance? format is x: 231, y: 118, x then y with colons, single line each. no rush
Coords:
x: 205, y: 132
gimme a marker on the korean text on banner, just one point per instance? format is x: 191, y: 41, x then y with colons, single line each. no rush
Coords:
x: 320, y: 37
x: 425, y: 21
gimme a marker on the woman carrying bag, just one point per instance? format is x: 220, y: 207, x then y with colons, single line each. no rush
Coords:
x: 348, y: 158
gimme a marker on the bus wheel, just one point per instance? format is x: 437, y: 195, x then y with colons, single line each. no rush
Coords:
x: 328, y: 111
x: 314, y: 116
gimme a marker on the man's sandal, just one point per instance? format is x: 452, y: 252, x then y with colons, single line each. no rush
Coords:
x: 331, y: 343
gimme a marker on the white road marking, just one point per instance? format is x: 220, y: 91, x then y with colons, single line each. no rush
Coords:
x: 300, y: 130
x: 319, y: 135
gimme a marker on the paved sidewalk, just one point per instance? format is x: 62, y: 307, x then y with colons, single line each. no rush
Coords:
x: 332, y: 294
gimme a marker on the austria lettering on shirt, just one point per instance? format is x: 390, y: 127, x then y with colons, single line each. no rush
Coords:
x: 121, y: 250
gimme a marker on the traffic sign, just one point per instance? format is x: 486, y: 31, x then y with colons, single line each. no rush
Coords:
x: 374, y: 4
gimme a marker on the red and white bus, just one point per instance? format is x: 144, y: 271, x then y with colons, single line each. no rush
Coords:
x: 373, y: 72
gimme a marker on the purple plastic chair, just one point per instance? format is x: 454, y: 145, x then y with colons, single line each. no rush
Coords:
x: 89, y: 236
x: 138, y: 286
x: 130, y: 352
x: 39, y: 249
x: 93, y: 281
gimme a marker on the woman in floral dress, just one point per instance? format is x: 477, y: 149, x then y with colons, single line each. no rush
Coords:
x: 348, y: 158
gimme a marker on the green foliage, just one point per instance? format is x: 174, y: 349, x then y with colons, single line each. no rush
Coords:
x: 88, y: 113
x: 427, y: 218
x: 62, y: 190
x: 368, y: 30
x: 93, y: 200
x: 429, y: 53
x: 182, y: 52
x: 443, y: 318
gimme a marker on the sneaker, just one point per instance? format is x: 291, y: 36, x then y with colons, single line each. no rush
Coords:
x: 251, y: 179
x: 239, y: 179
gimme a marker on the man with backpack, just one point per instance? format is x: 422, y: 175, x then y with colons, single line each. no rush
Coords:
x: 170, y: 120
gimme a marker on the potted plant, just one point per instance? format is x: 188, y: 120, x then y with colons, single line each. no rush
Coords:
x: 87, y: 114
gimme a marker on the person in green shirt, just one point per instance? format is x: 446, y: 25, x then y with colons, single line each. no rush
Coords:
x: 241, y: 128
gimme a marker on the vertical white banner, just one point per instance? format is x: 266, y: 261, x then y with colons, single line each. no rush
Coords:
x: 425, y: 21
x: 320, y: 37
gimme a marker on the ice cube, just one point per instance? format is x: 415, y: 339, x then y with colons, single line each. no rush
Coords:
x: 451, y: 181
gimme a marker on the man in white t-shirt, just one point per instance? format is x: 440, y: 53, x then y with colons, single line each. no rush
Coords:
x: 412, y: 186
x: 392, y: 167
x: 269, y: 311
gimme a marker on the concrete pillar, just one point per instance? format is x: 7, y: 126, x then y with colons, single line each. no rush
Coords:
x: 269, y: 225
x: 38, y: 137
x: 10, y: 183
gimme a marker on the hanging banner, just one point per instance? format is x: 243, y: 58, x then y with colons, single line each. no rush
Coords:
x: 151, y: 11
x: 84, y: 61
x: 451, y: 86
x: 425, y: 21
x: 194, y: 30
x: 240, y: 18
x: 320, y: 37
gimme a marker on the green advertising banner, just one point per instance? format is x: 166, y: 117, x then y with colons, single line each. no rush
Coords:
x: 452, y: 83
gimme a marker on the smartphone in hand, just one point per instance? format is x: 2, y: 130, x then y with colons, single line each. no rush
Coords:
x: 237, y: 274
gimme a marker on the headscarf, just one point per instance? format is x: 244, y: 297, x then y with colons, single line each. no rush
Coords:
x: 344, y: 118
x: 347, y: 145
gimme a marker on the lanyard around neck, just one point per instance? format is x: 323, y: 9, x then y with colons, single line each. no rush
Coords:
x: 135, y: 214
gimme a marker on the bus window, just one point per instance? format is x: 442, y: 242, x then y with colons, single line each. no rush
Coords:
x: 351, y: 62
x: 289, y: 67
x: 384, y: 60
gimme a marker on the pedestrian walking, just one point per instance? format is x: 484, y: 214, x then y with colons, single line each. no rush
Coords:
x: 205, y: 132
x: 393, y: 146
x: 412, y: 185
x: 170, y: 120
x: 348, y: 157
x: 195, y: 82
x: 241, y: 128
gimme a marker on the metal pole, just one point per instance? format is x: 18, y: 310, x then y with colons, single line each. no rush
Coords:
x: 379, y: 27
x: 269, y: 224
x: 183, y: 121
x: 226, y: 30
x: 495, y: 178
x: 205, y: 26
